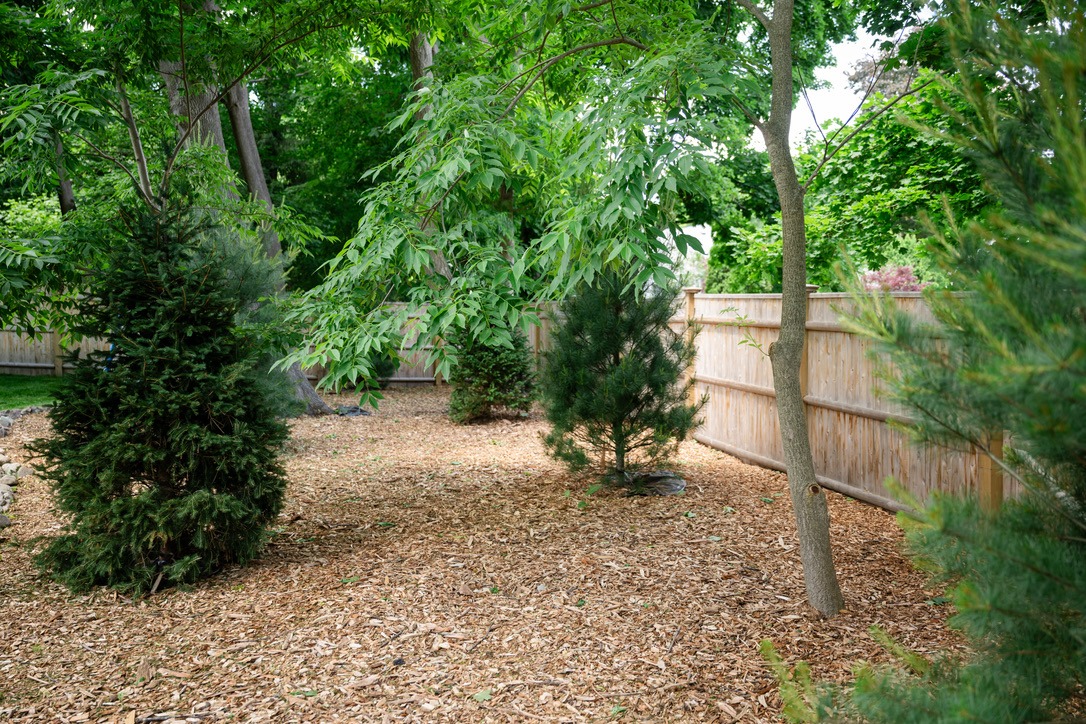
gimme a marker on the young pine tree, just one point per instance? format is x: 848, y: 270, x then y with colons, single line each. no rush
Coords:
x: 165, y: 447
x: 611, y: 382
x: 1010, y: 354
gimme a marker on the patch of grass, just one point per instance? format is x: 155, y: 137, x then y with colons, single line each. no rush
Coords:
x: 23, y: 391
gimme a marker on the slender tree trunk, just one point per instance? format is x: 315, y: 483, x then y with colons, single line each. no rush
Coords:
x: 65, y: 194
x: 252, y: 170
x: 137, y: 145
x: 808, y: 497
x: 422, y: 60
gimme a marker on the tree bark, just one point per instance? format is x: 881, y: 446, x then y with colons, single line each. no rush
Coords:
x: 252, y: 170
x: 421, y: 52
x: 188, y: 100
x: 786, y: 354
x: 137, y: 145
x: 65, y: 194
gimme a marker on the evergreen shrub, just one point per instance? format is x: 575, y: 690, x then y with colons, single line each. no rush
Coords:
x: 1009, y: 355
x: 165, y: 449
x: 611, y: 382
x: 489, y: 378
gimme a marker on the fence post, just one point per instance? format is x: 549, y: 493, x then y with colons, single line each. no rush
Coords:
x: 58, y: 356
x: 990, y: 485
x: 811, y: 289
x: 690, y: 292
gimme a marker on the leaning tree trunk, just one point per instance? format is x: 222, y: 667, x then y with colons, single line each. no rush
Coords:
x: 786, y: 354
x: 252, y: 170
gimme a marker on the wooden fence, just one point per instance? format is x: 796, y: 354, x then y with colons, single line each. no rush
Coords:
x: 855, y: 447
x: 854, y: 444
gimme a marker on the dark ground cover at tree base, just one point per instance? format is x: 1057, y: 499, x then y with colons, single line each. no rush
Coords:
x: 458, y: 551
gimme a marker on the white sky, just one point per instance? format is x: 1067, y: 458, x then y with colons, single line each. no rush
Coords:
x: 836, y: 101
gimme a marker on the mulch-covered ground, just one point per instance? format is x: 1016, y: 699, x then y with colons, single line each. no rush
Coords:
x: 428, y: 572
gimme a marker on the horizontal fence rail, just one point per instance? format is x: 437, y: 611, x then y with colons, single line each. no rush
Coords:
x: 856, y: 434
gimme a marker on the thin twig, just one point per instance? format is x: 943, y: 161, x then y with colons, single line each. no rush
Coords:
x: 826, y: 157
x: 481, y: 640
x: 105, y: 156
x: 547, y: 64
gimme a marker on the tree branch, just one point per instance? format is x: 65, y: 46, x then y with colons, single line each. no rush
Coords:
x: 756, y: 12
x: 102, y: 154
x: 262, y: 57
x: 828, y: 154
x: 545, y: 65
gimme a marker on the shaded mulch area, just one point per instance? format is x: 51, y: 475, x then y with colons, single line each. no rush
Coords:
x: 423, y: 571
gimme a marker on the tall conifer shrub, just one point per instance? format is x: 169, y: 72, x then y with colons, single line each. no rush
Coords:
x: 165, y: 448
x: 611, y: 382
x: 1009, y: 355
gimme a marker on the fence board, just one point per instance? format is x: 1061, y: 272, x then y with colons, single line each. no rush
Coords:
x: 854, y: 444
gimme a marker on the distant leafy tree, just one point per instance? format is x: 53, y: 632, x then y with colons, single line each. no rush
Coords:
x: 611, y: 382
x: 1008, y: 355
x: 165, y: 452
x: 878, y: 201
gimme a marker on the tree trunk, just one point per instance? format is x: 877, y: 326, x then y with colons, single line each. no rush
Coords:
x: 193, y: 100
x: 422, y: 61
x: 137, y: 145
x: 65, y: 194
x: 252, y: 170
x: 786, y: 354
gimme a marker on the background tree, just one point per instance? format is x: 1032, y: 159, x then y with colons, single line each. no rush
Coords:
x: 611, y: 381
x: 1010, y: 355
x: 879, y: 200
x: 133, y: 59
x: 165, y: 452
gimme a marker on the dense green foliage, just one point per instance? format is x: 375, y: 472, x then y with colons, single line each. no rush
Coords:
x: 320, y: 128
x: 165, y: 452
x: 529, y: 180
x: 611, y: 381
x: 25, y: 390
x: 1009, y: 355
x: 881, y: 200
x: 489, y: 377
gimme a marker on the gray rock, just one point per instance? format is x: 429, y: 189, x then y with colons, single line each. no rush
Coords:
x: 10, y: 468
x: 4, y: 521
x: 6, y: 421
x: 660, y: 482
x: 4, y: 458
x: 9, y: 480
x: 7, y: 497
x: 23, y: 471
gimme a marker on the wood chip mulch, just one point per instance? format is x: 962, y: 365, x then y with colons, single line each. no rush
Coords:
x: 424, y: 571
